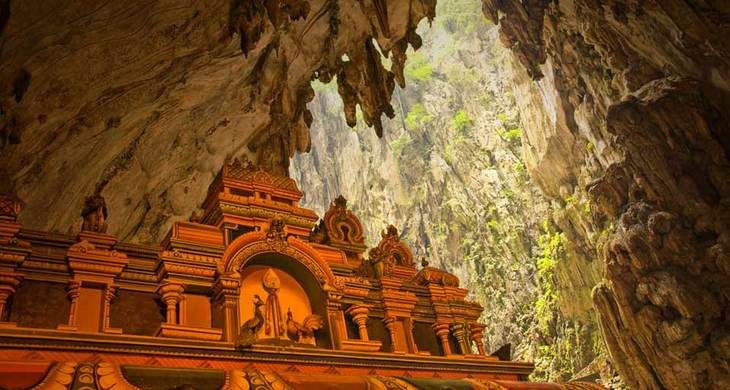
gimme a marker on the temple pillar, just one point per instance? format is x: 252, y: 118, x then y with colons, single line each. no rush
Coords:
x: 8, y: 283
x: 460, y: 332
x: 477, y: 335
x: 359, y: 315
x: 225, y: 295
x: 73, y: 291
x: 410, y: 340
x: 399, y: 307
x: 442, y: 331
x: 110, y: 293
x: 390, y: 324
x: 336, y: 321
x: 13, y: 252
x: 171, y: 294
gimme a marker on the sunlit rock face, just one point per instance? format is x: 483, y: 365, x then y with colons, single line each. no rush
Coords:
x: 625, y: 108
x: 449, y: 173
x: 141, y: 101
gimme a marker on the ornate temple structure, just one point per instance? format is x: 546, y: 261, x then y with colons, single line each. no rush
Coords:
x: 256, y: 292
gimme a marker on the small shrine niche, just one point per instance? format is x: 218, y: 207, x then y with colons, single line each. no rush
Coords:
x: 282, y: 303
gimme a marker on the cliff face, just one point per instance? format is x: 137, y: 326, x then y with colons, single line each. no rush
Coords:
x: 624, y: 107
x: 450, y: 174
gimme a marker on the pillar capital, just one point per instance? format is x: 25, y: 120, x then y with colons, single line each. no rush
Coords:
x: 9, y: 281
x: 460, y: 331
x: 358, y: 311
x: 477, y: 335
x: 170, y: 289
x: 441, y: 328
x: 359, y: 315
x: 442, y: 331
x: 171, y: 293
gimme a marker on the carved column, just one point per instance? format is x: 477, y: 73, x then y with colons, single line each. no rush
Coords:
x: 442, y: 331
x: 171, y: 294
x: 408, y: 329
x: 460, y: 332
x: 226, y: 293
x: 477, y: 335
x: 359, y: 315
x: 8, y: 283
x: 390, y: 324
x: 336, y: 320
x: 110, y: 293
x: 73, y: 290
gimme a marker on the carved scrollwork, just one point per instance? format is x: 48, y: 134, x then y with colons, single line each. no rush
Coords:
x: 10, y: 206
x: 251, y: 244
x: 340, y: 228
x: 389, y: 253
x: 109, y: 376
x: 259, y: 380
x: 59, y: 377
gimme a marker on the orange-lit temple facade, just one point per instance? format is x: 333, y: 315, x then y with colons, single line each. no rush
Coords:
x: 256, y: 292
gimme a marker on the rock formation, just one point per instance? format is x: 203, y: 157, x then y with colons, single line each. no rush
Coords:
x: 625, y: 106
x: 103, y: 97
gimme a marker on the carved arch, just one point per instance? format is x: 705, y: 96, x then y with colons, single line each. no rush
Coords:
x: 248, y: 245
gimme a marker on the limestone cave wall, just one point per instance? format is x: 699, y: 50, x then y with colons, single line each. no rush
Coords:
x: 625, y: 109
x: 141, y: 101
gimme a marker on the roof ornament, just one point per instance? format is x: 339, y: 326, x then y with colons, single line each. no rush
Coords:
x: 95, y: 214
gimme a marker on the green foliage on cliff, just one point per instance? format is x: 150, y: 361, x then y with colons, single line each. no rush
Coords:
x: 461, y: 121
x: 418, y: 68
x: 513, y: 134
x: 452, y: 178
x: 397, y: 145
x: 550, y: 244
x: 458, y: 16
x: 417, y: 117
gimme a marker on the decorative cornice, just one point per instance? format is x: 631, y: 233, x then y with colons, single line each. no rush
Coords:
x: 219, y: 350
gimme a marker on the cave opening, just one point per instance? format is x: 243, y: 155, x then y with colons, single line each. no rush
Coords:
x: 449, y: 171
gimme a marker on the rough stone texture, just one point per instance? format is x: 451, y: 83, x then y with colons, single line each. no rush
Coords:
x: 449, y: 174
x: 624, y: 108
x: 628, y: 110
x: 141, y: 101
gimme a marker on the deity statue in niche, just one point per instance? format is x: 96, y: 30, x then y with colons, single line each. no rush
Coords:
x: 278, y: 288
x: 272, y: 313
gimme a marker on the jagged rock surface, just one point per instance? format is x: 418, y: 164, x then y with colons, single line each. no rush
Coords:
x: 141, y: 101
x: 450, y: 175
x: 625, y: 110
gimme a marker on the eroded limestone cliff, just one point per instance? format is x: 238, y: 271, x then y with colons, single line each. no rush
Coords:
x: 625, y: 109
x: 141, y: 101
x: 449, y: 173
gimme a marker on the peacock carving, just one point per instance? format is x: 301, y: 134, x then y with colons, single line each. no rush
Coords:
x: 250, y: 328
x: 304, y: 332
